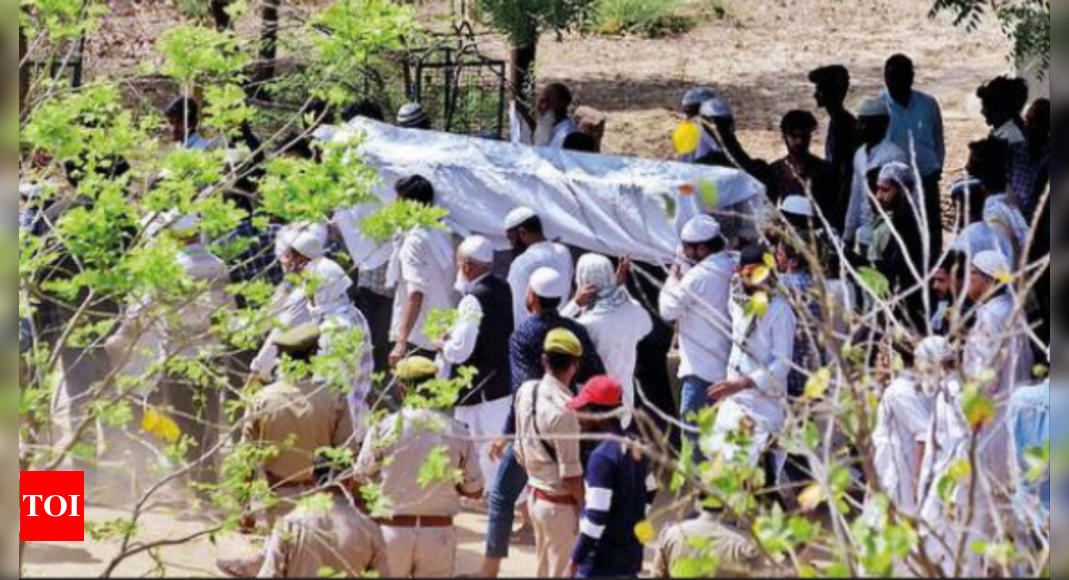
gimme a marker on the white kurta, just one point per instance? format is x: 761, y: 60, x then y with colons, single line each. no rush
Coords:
x: 425, y: 264
x: 902, y: 424
x: 860, y: 215
x: 699, y: 304
x: 289, y: 308
x: 541, y: 255
x: 616, y: 334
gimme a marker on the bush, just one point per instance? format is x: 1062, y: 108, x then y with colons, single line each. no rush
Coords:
x: 652, y: 18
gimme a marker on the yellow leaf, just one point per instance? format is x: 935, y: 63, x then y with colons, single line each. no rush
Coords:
x: 1005, y: 278
x: 759, y: 304
x: 687, y: 138
x: 161, y: 426
x: 818, y: 384
x: 811, y: 498
x: 760, y: 275
x: 645, y: 533
x: 770, y: 261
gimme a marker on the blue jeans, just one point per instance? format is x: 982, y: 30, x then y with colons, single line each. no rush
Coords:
x: 695, y: 400
x: 509, y: 484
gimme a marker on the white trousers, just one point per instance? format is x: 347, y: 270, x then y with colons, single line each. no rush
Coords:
x: 484, y: 421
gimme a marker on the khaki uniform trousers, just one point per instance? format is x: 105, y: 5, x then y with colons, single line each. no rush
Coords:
x: 556, y: 528
x: 421, y: 552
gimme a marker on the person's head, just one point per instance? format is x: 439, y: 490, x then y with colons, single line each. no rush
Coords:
x: 524, y: 229
x: 412, y: 116
x: 183, y: 114
x: 693, y: 99
x: 873, y: 121
x: 329, y: 287
x: 475, y: 259
x: 581, y: 143
x: 546, y: 291
x: 899, y: 75
x: 799, y: 212
x: 933, y: 360
x: 596, y: 271
x: 798, y: 128
x: 719, y: 112
x: 896, y: 183
x: 989, y: 161
x: 948, y: 279
x: 1003, y: 100
x: 415, y: 188
x: 701, y: 238
x: 299, y: 245
x: 989, y: 273
x: 1037, y: 122
x: 413, y: 373
x: 557, y: 99
x: 185, y: 228
x: 562, y: 355
x: 753, y: 268
x: 598, y: 400
x: 832, y: 86
x: 365, y: 109
x: 299, y: 344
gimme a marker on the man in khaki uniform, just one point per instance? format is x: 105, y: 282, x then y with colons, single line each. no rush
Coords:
x: 423, y: 462
x: 297, y: 417
x: 311, y: 543
x: 547, y: 447
x: 736, y: 553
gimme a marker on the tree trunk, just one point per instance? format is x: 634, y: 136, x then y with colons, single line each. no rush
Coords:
x: 219, y: 14
x: 268, y: 40
x: 521, y: 79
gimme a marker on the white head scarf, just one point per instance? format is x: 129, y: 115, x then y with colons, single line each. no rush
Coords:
x: 331, y: 285
x: 597, y: 271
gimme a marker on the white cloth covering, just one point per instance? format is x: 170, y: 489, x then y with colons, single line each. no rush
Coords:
x: 699, y: 303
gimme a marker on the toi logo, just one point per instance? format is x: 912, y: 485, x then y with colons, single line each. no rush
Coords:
x: 52, y: 506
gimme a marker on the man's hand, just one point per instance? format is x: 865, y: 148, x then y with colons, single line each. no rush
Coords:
x: 623, y: 271
x: 725, y: 389
x: 398, y: 354
x: 676, y: 273
x: 573, y: 570
x: 586, y: 297
x: 497, y: 449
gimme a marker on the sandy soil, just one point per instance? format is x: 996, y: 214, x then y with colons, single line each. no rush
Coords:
x: 759, y: 58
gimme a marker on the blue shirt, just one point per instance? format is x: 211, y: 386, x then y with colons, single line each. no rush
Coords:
x: 1030, y: 412
x: 618, y: 497
x: 529, y: 344
x: 919, y: 129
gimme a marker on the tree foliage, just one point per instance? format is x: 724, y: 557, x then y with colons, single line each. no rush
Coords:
x: 1025, y: 22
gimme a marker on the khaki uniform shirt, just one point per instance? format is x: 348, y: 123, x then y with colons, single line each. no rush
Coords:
x: 342, y: 541
x: 298, y: 420
x: 397, y: 451
x: 736, y: 553
x: 545, y: 402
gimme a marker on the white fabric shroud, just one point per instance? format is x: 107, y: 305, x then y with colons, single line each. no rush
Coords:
x: 601, y: 203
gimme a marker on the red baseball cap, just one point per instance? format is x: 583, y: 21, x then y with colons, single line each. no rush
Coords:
x: 600, y: 391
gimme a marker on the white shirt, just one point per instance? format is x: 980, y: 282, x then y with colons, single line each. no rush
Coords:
x: 463, y: 337
x: 765, y: 356
x: 981, y: 237
x: 699, y: 303
x: 541, y: 255
x: 946, y: 441
x: 616, y: 335
x: 998, y: 345
x: 290, y: 308
x: 188, y: 332
x: 561, y: 132
x: 903, y: 420
x: 860, y: 217
x: 426, y: 266
x: 333, y: 328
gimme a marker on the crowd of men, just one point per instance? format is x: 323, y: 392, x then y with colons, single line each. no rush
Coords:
x: 569, y: 348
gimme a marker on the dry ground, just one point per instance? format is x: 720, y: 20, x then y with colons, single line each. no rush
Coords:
x: 759, y: 58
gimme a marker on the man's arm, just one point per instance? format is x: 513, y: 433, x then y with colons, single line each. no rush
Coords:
x: 600, y: 488
x: 465, y: 335
x: 674, y: 300
x: 409, y: 315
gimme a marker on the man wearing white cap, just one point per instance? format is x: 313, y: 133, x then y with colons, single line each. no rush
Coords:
x: 423, y: 270
x: 873, y: 123
x: 527, y: 235
x: 480, y: 341
x: 699, y: 302
x: 998, y: 356
x: 544, y: 299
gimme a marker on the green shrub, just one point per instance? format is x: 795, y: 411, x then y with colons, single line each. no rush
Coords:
x: 652, y: 18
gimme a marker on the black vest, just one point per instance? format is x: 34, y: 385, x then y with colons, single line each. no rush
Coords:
x: 491, y: 356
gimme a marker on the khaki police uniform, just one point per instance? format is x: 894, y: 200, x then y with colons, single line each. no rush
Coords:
x: 297, y: 419
x: 547, y: 446
x: 341, y: 542
x: 736, y: 554
x: 420, y: 536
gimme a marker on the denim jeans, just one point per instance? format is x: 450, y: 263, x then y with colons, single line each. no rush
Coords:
x: 509, y: 484
x: 695, y: 399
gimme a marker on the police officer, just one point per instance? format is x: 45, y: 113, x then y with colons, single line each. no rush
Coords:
x: 420, y: 534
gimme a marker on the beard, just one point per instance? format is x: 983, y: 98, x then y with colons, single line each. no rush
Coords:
x: 462, y: 284
x: 543, y: 133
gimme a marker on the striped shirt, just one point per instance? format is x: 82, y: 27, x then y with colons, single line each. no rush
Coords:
x: 619, y: 494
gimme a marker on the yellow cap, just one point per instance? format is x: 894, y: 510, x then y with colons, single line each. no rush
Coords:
x: 298, y: 339
x: 561, y: 341
x: 416, y: 368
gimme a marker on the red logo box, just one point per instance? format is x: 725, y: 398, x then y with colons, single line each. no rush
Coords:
x: 51, y: 506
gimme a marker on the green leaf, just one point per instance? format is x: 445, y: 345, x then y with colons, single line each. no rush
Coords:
x: 401, y: 217
x: 875, y: 282
x: 438, y: 469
